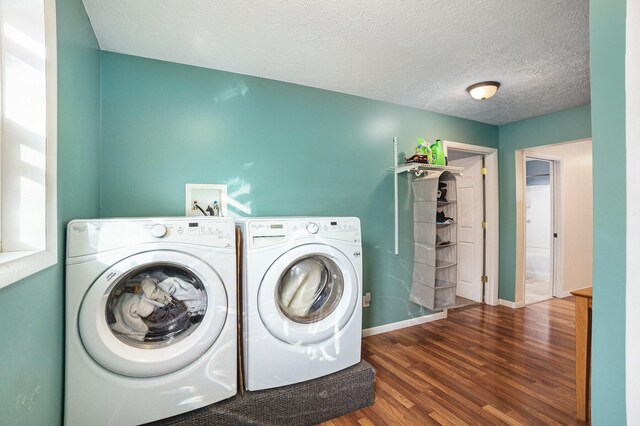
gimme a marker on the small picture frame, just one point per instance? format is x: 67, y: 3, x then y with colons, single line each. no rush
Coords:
x: 203, y: 199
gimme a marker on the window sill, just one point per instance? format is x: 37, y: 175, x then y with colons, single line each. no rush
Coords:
x: 17, y: 265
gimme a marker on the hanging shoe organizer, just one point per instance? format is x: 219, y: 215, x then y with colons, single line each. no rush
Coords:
x: 435, y: 265
x: 435, y: 268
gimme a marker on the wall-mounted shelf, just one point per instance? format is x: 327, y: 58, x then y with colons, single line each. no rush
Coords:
x: 418, y: 169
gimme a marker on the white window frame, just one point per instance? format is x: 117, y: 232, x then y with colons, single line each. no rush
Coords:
x: 16, y: 265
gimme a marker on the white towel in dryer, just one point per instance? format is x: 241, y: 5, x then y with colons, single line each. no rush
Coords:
x: 300, y: 287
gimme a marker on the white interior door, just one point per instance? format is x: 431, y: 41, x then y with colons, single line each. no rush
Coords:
x: 470, y: 244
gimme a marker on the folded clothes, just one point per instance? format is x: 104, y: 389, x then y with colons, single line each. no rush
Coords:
x: 417, y: 158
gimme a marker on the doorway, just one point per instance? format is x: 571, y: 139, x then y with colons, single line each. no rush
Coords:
x: 471, y: 242
x: 571, y: 198
x: 478, y: 277
x: 540, y: 219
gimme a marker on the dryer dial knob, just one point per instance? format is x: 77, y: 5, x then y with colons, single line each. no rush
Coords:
x: 158, y: 230
x: 312, y: 228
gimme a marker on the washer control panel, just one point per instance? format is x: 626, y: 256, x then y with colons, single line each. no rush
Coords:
x: 268, y: 232
x: 96, y: 236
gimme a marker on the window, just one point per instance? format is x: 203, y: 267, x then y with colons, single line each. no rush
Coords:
x: 28, y: 236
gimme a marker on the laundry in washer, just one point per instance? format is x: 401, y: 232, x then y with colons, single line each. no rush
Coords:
x: 194, y: 299
x: 167, y: 321
x: 151, y: 291
x: 155, y: 306
x: 128, y: 312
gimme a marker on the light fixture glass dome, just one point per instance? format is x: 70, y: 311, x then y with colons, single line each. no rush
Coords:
x: 483, y: 90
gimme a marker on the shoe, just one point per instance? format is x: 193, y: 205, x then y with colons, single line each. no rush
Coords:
x: 441, y: 218
x: 442, y: 191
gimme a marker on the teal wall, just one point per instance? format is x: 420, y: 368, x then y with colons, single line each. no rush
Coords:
x: 563, y: 126
x: 607, y: 35
x: 282, y: 149
x: 31, y: 311
x: 289, y: 150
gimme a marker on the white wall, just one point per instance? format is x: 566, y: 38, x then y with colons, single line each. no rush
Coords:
x: 538, y: 228
x: 577, y: 220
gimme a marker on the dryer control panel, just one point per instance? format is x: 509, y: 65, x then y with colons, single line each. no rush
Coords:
x: 268, y: 232
x: 97, y: 236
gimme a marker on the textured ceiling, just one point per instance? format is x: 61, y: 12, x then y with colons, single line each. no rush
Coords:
x: 419, y: 53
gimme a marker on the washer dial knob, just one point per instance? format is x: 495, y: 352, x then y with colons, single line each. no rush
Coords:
x: 312, y: 228
x: 158, y: 230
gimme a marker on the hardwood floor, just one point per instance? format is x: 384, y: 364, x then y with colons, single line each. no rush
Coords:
x: 481, y: 366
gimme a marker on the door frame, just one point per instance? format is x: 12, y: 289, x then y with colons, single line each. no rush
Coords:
x: 556, y: 247
x: 493, y: 213
x: 474, y: 233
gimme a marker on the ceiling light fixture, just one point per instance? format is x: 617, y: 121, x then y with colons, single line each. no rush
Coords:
x: 483, y: 90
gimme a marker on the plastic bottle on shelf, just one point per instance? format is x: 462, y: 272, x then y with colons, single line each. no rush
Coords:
x: 437, y: 153
x: 423, y: 148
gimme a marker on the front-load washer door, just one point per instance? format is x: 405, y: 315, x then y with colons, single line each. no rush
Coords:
x: 152, y: 313
x: 308, y: 294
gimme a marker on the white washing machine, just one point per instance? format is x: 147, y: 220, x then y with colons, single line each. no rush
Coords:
x: 150, y: 318
x: 302, y: 298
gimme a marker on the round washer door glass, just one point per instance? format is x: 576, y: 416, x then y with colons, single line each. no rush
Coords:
x: 156, y: 305
x: 152, y: 313
x: 310, y: 289
x: 308, y: 294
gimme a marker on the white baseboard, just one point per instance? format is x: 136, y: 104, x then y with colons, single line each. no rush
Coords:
x: 403, y: 324
x: 510, y: 304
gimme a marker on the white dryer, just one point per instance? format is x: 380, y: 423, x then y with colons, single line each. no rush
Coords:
x: 150, y: 318
x: 302, y: 303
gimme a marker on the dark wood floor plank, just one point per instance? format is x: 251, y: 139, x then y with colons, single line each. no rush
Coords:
x: 483, y: 365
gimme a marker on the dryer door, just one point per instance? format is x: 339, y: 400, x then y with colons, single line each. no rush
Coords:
x: 152, y: 313
x: 308, y: 294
